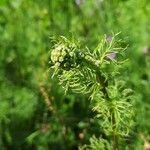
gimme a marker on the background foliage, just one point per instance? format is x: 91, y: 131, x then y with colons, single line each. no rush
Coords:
x: 34, y: 112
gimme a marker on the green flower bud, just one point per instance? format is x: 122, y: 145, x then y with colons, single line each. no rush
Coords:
x: 61, y: 59
x: 57, y: 64
x: 58, y: 54
x: 62, y: 56
x: 71, y: 54
x: 66, y: 54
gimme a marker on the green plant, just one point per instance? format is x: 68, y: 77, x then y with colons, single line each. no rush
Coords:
x: 96, y: 73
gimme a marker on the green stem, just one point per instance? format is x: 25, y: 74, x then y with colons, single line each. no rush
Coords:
x: 114, y: 135
x: 104, y: 83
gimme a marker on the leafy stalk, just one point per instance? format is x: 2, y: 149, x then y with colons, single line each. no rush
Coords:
x: 95, y: 73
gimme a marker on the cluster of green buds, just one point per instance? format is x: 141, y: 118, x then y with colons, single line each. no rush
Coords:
x: 64, y: 55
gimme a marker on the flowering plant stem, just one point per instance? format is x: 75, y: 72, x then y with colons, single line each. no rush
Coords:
x: 96, y: 73
x: 103, y: 81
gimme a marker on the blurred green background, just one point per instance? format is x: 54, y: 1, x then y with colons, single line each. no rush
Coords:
x: 34, y: 112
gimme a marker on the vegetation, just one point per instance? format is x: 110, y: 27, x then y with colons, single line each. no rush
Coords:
x: 98, y: 96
